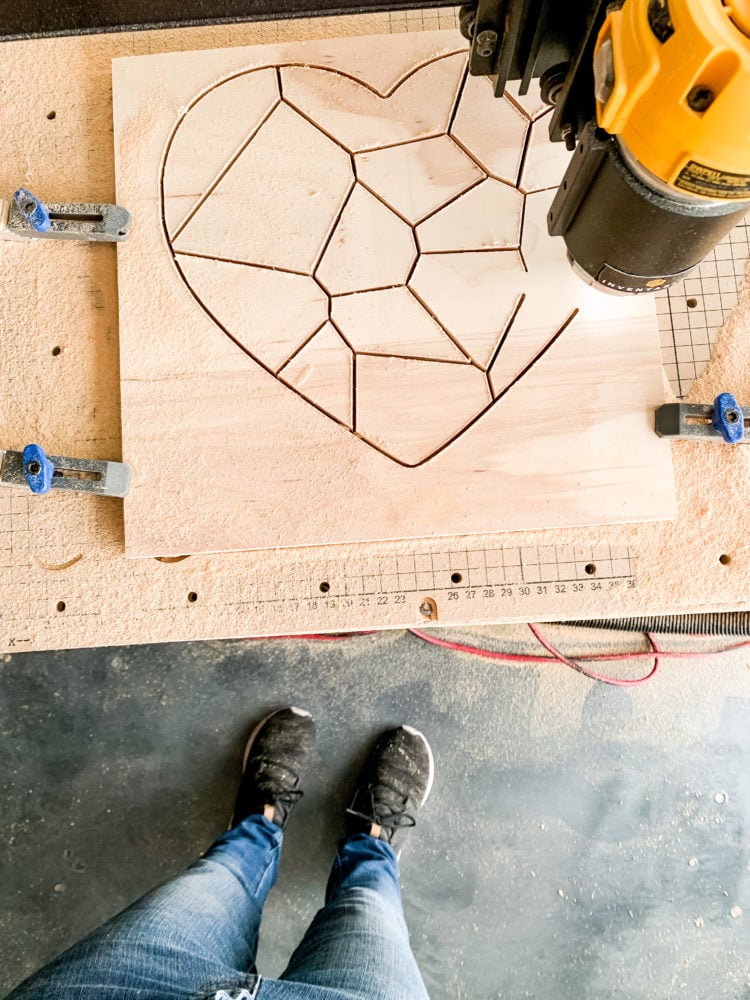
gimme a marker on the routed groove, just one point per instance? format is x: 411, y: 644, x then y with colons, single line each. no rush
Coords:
x: 504, y: 335
x: 457, y: 101
x: 454, y: 199
x: 524, y: 154
x: 301, y: 347
x: 222, y: 173
x: 56, y: 567
x: 466, y: 358
x: 243, y: 263
x: 442, y: 325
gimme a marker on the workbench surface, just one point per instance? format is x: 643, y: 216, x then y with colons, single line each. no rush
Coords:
x: 64, y: 580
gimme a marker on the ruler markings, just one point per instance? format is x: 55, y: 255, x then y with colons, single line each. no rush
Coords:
x: 691, y: 312
x: 533, y: 571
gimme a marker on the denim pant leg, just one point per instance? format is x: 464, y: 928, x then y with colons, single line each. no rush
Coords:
x: 358, y: 943
x: 195, y: 934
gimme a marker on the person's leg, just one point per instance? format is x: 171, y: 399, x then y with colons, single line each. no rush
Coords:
x: 199, y: 932
x: 195, y: 933
x: 358, y: 943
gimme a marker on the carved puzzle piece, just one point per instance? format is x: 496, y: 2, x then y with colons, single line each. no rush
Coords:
x: 382, y: 254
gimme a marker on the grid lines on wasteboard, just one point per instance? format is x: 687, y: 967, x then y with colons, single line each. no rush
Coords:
x: 691, y: 312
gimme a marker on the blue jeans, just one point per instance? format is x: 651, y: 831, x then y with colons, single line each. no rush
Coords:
x: 197, y: 936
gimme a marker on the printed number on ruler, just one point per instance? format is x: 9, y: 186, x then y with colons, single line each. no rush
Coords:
x: 457, y: 577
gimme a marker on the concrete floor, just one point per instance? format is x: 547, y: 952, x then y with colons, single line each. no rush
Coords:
x: 582, y: 841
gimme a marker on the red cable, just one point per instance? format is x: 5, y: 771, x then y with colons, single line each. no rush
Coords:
x: 556, y: 655
x: 576, y: 665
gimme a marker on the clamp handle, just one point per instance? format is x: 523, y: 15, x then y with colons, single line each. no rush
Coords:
x: 728, y: 418
x: 33, y: 210
x: 37, y: 469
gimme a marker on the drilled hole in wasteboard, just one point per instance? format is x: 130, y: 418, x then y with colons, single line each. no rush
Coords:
x: 56, y: 352
x: 325, y: 587
x: 692, y: 303
x: 725, y: 559
x: 456, y: 578
x: 590, y: 568
x: 192, y: 597
x: 51, y: 115
x: 61, y: 606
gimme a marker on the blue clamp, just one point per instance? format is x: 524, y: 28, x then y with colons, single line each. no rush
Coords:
x: 728, y: 418
x: 33, y: 210
x: 37, y: 469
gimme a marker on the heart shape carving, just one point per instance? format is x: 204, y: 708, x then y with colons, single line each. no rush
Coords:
x: 383, y: 255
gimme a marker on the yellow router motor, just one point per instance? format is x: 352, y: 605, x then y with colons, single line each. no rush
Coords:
x: 662, y: 172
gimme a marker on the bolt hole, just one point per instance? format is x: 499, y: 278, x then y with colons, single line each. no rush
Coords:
x: 456, y: 577
x: 692, y: 303
x: 33, y: 468
x: 56, y: 352
x: 725, y: 559
x: 565, y: 185
x: 192, y: 597
x: 590, y: 568
x: 51, y: 115
x: 122, y: 232
x: 61, y: 606
x: 325, y: 587
x: 700, y: 98
x: 29, y: 207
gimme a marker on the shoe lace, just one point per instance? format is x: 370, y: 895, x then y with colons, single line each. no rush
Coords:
x: 286, y: 797
x: 278, y: 796
x: 374, y: 809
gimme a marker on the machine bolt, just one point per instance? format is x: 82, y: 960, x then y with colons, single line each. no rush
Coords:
x: 700, y: 98
x: 485, y: 43
x: 428, y: 608
x: 568, y: 136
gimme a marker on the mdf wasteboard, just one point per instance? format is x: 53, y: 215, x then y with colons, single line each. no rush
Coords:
x: 341, y: 316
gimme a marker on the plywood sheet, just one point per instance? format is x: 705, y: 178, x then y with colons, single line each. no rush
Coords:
x: 341, y: 316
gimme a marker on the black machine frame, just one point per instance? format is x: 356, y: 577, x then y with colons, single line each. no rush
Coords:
x: 40, y: 18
